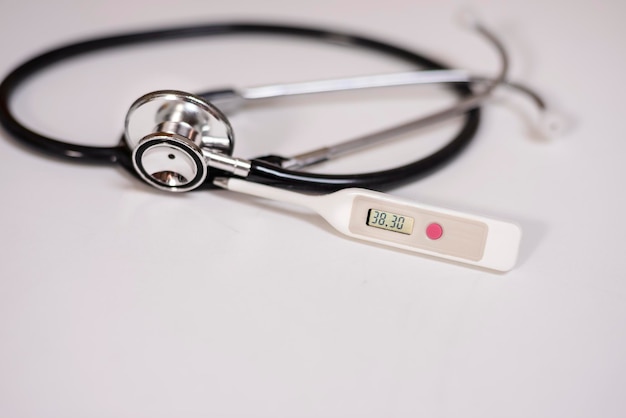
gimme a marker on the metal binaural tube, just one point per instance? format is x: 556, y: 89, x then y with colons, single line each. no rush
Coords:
x: 232, y: 99
x: 468, y: 103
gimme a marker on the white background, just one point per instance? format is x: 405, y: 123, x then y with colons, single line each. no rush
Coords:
x: 120, y: 301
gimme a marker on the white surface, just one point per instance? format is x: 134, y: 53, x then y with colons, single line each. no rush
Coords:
x: 116, y: 300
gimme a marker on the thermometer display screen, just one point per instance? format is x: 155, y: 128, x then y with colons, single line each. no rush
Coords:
x: 390, y: 221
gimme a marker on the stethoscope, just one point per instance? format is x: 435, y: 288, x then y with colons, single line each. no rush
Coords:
x: 177, y: 141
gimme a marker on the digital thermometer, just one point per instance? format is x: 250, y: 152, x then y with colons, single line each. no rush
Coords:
x: 386, y: 220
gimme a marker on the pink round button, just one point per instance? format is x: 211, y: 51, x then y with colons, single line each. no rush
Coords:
x: 434, y: 231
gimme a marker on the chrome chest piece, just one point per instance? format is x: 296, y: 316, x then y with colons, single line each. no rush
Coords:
x: 176, y: 138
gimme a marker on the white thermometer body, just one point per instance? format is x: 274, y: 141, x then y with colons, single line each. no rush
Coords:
x: 386, y: 220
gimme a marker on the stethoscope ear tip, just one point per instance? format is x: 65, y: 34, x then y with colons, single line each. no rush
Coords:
x: 551, y: 125
x: 468, y: 18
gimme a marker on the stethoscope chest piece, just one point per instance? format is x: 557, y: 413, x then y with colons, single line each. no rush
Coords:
x: 173, y: 136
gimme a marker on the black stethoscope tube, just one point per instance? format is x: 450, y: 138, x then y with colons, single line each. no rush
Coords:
x: 262, y: 169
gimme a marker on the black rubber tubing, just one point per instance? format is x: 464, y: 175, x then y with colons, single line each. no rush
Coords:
x: 263, y: 170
